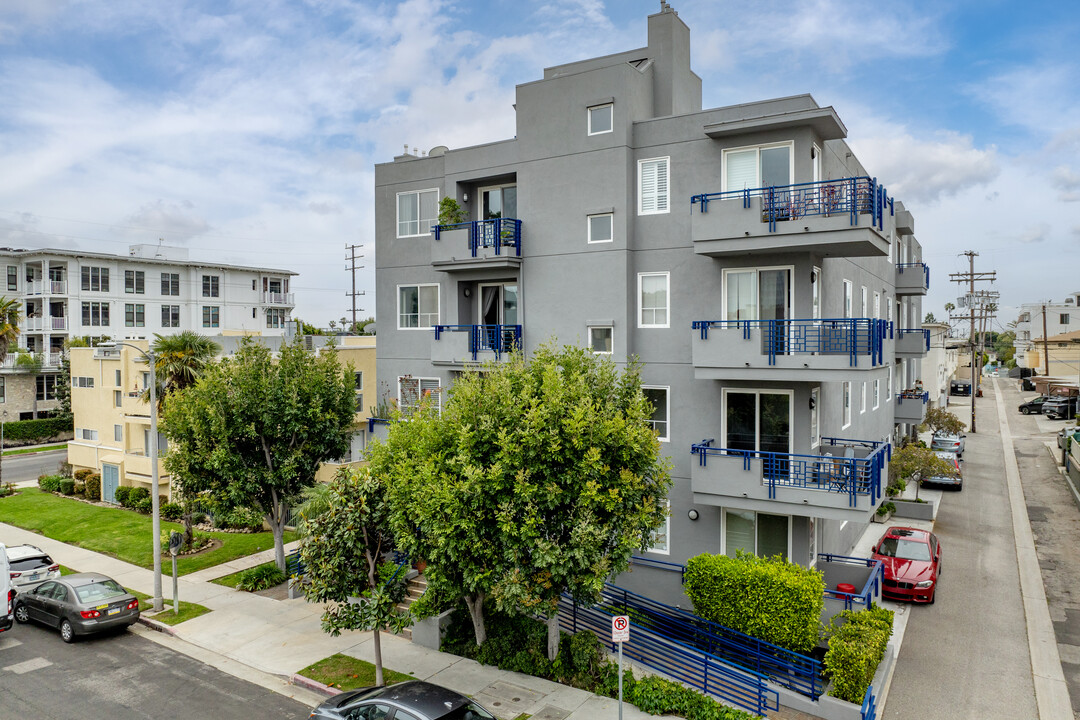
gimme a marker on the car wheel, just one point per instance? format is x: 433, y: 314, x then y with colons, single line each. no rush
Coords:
x: 22, y: 615
x: 1026, y: 411
x: 67, y: 633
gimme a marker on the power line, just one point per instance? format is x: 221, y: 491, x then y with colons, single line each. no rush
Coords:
x: 971, y: 300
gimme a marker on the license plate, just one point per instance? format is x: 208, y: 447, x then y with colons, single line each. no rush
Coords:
x: 33, y: 577
x: 114, y: 611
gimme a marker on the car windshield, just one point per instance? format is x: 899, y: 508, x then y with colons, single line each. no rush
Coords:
x: 95, y: 592
x: 904, y: 549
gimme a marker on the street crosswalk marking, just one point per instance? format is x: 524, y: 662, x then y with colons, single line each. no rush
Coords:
x: 28, y: 666
x: 9, y: 642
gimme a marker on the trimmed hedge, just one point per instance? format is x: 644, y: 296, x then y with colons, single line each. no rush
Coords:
x: 67, y: 486
x: 171, y: 511
x: 83, y: 474
x: 93, y: 487
x: 121, y: 495
x: 767, y: 598
x: 28, y: 431
x: 49, y: 483
x: 855, y: 650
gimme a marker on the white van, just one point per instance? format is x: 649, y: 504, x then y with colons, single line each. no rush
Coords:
x: 6, y: 616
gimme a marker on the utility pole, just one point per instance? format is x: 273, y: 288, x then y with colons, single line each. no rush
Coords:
x: 970, y: 277
x: 1046, y: 345
x: 351, y: 258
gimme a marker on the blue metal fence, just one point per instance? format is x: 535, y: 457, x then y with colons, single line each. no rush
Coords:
x: 925, y: 333
x: 851, y: 196
x: 503, y: 235
x: 916, y: 267
x: 498, y: 339
x: 912, y: 396
x: 705, y: 672
x: 849, y: 475
x: 868, y: 711
x: 294, y: 566
x: 871, y: 588
x: 854, y: 337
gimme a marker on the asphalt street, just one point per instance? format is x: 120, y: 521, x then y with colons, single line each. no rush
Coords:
x: 966, y: 656
x: 20, y: 468
x: 121, y: 677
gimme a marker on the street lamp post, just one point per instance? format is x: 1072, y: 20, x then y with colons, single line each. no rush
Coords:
x: 155, y: 501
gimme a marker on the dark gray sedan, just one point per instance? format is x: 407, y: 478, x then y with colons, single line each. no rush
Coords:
x: 78, y: 604
x: 412, y: 700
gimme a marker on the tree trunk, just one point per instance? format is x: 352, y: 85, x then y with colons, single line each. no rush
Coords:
x: 378, y: 659
x: 553, y: 635
x: 276, y: 520
x: 189, y: 529
x: 475, y: 604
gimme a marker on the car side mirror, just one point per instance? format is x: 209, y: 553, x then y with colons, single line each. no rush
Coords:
x: 873, y: 549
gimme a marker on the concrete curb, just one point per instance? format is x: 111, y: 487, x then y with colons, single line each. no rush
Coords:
x: 315, y: 685
x: 155, y: 625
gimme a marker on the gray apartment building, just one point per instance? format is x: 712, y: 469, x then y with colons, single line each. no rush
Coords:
x: 769, y: 284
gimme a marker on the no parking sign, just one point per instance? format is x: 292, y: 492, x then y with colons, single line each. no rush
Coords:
x: 620, y: 629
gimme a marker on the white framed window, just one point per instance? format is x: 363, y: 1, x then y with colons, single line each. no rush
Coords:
x: 653, y: 310
x: 81, y: 381
x: 812, y: 527
x: 848, y: 289
x: 600, y: 119
x: 847, y: 405
x: 862, y: 300
x: 758, y: 166
x: 3, y: 389
x: 877, y: 305
x: 815, y: 417
x: 888, y: 309
x: 601, y: 228
x: 413, y: 390
x: 119, y: 380
x: 757, y: 420
x: 877, y: 393
x: 762, y: 534
x: 653, y: 186
x: 659, y: 398
x: 417, y: 212
x: 418, y: 306
x: 86, y: 434
x: 815, y: 293
x: 601, y: 339
x: 757, y: 293
x: 661, y: 539
x: 862, y: 399
x: 888, y: 386
x: 118, y: 433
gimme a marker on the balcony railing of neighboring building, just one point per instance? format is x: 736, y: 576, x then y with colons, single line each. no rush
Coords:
x: 907, y: 333
x: 503, y: 235
x: 53, y: 359
x: 274, y: 298
x: 918, y: 269
x: 851, y: 196
x: 35, y: 287
x: 846, y: 474
x: 33, y: 324
x: 58, y: 323
x: 854, y: 337
x: 498, y: 339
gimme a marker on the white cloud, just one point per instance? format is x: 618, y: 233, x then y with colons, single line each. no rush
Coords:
x: 1035, y: 234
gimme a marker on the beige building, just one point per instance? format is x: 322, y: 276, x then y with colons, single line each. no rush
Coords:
x: 112, y: 421
x: 1064, y: 355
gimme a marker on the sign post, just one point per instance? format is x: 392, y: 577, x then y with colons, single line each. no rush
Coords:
x: 620, y: 633
x: 175, y: 541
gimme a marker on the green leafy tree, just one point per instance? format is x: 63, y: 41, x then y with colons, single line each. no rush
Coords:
x: 929, y: 318
x: 538, y: 477
x: 941, y: 420
x: 63, y: 388
x: 915, y: 461
x: 254, y: 429
x: 343, y: 552
x: 10, y: 315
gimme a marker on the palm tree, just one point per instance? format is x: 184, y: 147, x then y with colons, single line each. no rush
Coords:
x: 9, y: 324
x: 181, y: 359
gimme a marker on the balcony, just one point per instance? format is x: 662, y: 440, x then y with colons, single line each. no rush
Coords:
x: 912, y: 343
x: 786, y: 350
x: 471, y: 344
x: 44, y: 324
x: 276, y: 298
x: 58, y: 323
x: 842, y: 482
x: 911, y: 407
x: 912, y: 279
x: 477, y: 245
x: 33, y: 324
x: 846, y: 218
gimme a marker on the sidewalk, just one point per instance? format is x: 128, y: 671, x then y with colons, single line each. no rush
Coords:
x: 267, y: 641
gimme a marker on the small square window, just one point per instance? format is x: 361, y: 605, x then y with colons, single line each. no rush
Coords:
x: 601, y: 228
x: 600, y: 340
x: 600, y: 119
x: 118, y: 433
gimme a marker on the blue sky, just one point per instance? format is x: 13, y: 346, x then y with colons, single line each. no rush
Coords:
x: 247, y: 130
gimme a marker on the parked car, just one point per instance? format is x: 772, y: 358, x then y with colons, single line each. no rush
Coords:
x: 912, y: 562
x: 944, y: 441
x: 7, y: 595
x: 953, y: 481
x: 1034, y: 406
x: 413, y: 699
x: 78, y: 604
x: 1060, y: 408
x: 30, y: 566
x: 960, y: 387
x: 950, y: 457
x: 1027, y: 384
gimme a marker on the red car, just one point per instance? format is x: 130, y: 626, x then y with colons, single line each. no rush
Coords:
x: 912, y: 562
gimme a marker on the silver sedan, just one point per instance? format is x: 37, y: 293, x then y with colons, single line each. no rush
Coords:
x: 78, y: 604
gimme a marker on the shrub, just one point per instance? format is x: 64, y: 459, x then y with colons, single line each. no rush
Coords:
x: 93, y: 487
x: 7, y: 489
x: 171, y: 511
x: 767, y: 598
x: 138, y: 494
x: 80, y: 488
x: 144, y: 505
x: 122, y: 494
x: 240, y: 518
x: 658, y: 696
x: 49, y: 483
x: 83, y: 474
x: 198, y: 518
x: 64, y: 468
x: 67, y: 486
x: 260, y: 578
x: 855, y: 649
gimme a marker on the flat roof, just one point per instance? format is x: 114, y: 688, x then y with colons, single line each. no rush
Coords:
x: 24, y: 252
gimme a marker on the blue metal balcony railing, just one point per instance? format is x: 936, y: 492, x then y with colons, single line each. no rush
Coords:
x: 925, y: 333
x: 870, y: 589
x: 854, y: 337
x: 845, y: 474
x: 851, y: 196
x: 498, y: 339
x: 912, y: 396
x: 916, y: 267
x: 500, y: 234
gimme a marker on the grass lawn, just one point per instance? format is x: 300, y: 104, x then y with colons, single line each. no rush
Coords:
x: 167, y: 616
x: 232, y: 580
x: 123, y: 534
x: 348, y: 673
x: 24, y: 451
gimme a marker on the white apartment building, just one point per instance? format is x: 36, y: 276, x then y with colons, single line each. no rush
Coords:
x: 1059, y: 318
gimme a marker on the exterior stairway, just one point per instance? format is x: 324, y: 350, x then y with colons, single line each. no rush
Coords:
x: 416, y: 587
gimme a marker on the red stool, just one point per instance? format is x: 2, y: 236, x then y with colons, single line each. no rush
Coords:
x: 846, y: 588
